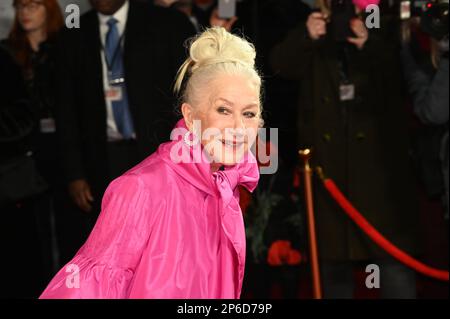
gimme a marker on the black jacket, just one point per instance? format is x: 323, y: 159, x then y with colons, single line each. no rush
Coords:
x: 40, y: 86
x: 430, y: 98
x: 16, y: 118
x: 153, y: 51
x: 19, y: 178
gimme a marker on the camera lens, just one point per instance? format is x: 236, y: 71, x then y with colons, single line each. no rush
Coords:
x: 435, y: 20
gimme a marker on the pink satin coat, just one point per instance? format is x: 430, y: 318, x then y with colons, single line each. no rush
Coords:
x: 166, y: 230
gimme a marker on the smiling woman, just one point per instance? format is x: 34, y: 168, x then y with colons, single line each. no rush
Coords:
x: 222, y: 91
x: 174, y: 229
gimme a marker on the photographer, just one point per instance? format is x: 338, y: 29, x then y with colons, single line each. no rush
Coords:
x: 428, y: 83
x: 202, y: 14
x: 350, y: 112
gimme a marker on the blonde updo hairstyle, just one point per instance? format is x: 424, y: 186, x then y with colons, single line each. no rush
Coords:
x: 214, y: 52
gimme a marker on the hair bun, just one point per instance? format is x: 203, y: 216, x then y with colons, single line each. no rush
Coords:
x: 216, y: 45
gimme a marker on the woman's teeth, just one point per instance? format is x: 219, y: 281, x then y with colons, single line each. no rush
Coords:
x: 232, y: 143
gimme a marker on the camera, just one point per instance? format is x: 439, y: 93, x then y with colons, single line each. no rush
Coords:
x: 342, y: 12
x: 433, y: 15
x: 227, y: 9
x: 434, y: 19
x: 412, y: 8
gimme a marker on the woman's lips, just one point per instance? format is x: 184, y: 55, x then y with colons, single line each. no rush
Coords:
x: 233, y: 144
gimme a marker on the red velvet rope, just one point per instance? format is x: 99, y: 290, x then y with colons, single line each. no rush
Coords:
x: 379, y: 239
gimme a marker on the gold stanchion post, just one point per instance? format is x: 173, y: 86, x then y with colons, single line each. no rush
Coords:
x: 305, y: 156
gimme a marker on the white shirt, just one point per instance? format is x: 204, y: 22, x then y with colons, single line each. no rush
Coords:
x: 121, y: 16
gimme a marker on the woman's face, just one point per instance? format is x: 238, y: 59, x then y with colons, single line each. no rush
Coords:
x: 32, y: 14
x: 229, y: 114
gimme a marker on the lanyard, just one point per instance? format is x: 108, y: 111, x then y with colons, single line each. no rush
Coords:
x: 109, y: 64
x: 343, y: 63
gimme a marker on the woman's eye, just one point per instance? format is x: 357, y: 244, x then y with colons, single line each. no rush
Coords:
x: 250, y: 115
x: 223, y: 110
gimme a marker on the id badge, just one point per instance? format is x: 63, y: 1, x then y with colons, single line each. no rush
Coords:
x: 47, y: 125
x: 347, y: 92
x: 114, y: 93
x: 405, y: 10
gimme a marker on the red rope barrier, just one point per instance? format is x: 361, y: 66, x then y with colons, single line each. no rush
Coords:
x: 379, y: 239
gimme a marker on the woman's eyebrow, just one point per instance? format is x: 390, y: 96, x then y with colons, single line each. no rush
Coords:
x: 251, y: 106
x: 232, y: 104
x: 225, y: 100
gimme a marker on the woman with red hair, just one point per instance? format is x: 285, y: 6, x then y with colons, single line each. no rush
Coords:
x: 36, y: 23
x: 30, y: 43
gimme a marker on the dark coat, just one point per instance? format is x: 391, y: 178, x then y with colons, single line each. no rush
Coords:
x: 19, y: 178
x: 362, y: 145
x: 153, y: 51
x: 17, y: 120
x: 430, y: 97
x: 40, y: 84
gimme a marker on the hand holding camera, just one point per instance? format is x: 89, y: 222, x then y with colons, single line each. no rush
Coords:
x: 316, y: 25
x: 217, y: 21
x: 361, y: 34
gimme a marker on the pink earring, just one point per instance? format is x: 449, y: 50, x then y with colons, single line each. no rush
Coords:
x: 190, y: 139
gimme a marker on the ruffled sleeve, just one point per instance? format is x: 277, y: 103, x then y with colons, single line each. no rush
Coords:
x: 104, y: 267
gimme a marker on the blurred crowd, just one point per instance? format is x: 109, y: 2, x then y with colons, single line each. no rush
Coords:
x: 79, y: 107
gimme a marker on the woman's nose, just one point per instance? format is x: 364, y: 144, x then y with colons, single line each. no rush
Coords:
x: 239, y: 122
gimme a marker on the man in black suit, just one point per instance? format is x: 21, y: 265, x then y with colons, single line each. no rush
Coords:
x: 115, y: 104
